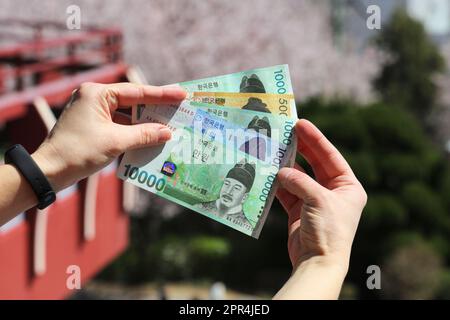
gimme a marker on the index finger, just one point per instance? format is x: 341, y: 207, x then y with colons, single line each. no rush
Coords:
x: 328, y: 157
x: 127, y: 94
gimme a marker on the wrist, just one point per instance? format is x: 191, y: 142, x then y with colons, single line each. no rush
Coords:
x: 338, y: 264
x: 48, y: 160
x: 315, y: 277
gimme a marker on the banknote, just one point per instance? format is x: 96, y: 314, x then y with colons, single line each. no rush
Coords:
x: 276, y: 128
x: 271, y: 80
x: 260, y: 136
x: 277, y: 104
x: 195, y: 169
x: 230, y: 138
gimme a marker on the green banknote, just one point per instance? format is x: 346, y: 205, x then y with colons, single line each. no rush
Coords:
x: 272, y: 80
x: 271, y: 88
x: 208, y: 168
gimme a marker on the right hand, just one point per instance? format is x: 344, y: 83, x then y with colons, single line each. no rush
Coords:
x: 323, y: 213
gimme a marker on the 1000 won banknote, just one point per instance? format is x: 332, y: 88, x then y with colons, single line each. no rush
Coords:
x: 255, y: 85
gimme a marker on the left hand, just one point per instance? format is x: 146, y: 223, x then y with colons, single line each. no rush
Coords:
x: 85, y: 138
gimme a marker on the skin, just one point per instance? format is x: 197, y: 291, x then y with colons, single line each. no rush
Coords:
x: 323, y: 214
x: 232, y: 194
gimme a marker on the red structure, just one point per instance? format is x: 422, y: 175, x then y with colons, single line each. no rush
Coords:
x: 86, y: 227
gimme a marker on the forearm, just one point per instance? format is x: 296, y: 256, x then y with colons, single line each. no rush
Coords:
x: 16, y: 193
x: 314, y: 278
x: 85, y: 139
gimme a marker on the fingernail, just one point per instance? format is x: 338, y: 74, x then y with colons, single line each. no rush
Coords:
x: 164, y: 134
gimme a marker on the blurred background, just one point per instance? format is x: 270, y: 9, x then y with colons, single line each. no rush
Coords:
x: 381, y: 96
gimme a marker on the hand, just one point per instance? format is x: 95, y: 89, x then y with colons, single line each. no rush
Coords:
x: 85, y: 138
x: 323, y: 213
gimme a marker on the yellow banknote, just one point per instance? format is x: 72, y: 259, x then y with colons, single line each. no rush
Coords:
x: 277, y: 104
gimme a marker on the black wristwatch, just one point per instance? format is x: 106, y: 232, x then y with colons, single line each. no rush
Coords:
x: 21, y: 159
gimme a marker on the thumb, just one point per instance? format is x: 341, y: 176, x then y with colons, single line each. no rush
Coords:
x: 143, y: 135
x: 300, y: 184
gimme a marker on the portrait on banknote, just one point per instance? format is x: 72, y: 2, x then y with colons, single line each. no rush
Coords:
x: 252, y: 84
x: 233, y: 194
x: 256, y: 146
x: 256, y: 104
